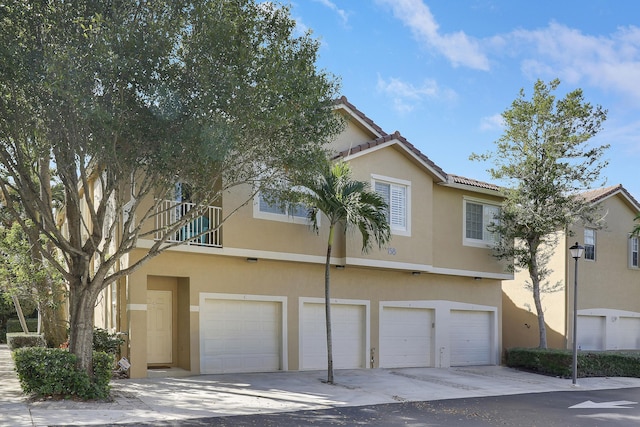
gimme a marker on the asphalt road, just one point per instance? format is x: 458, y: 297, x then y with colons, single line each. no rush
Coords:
x: 619, y: 407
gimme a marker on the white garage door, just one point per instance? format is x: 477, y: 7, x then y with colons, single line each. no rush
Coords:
x: 471, y: 342
x: 348, y: 336
x: 591, y: 332
x: 240, y: 336
x: 405, y: 337
x: 629, y: 333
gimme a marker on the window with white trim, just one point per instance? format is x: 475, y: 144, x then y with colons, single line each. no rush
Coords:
x: 397, y: 195
x: 285, y: 212
x: 590, y: 244
x: 634, y: 244
x: 478, y: 215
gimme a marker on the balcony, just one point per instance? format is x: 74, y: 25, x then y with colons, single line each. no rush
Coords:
x: 204, y: 230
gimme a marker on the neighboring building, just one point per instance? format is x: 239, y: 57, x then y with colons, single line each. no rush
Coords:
x: 608, y: 284
x: 250, y: 298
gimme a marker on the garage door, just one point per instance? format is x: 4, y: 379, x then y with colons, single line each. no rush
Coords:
x: 470, y: 338
x: 348, y: 336
x: 240, y: 336
x: 405, y: 337
x: 591, y: 332
x: 629, y: 334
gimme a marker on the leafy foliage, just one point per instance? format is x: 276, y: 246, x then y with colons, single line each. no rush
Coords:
x: 53, y: 372
x: 31, y: 278
x: 545, y: 160
x: 349, y: 202
x: 106, y: 341
x: 17, y: 340
x: 111, y: 103
x: 590, y: 363
x: 636, y: 228
x: 13, y: 325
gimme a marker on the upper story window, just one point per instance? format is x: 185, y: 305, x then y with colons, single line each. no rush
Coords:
x: 478, y: 215
x: 397, y: 195
x: 287, y: 212
x: 590, y: 244
x: 634, y: 243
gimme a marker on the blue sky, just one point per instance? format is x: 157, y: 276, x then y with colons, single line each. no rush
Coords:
x: 441, y: 72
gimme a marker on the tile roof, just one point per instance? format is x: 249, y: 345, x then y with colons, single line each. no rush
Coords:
x: 390, y: 137
x: 343, y: 100
x: 598, y: 194
x: 455, y: 179
x: 386, y: 137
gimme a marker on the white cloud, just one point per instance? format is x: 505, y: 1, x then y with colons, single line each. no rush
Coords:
x: 608, y: 62
x: 456, y: 47
x: 406, y: 96
x: 491, y: 123
x: 331, y: 5
x: 624, y: 136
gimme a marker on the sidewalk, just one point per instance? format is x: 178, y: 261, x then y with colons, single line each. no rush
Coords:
x: 152, y: 399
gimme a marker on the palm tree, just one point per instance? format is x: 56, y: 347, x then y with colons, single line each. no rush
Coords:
x: 636, y: 229
x: 351, y: 203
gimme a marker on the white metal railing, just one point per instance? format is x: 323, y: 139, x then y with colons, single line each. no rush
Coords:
x: 206, y: 226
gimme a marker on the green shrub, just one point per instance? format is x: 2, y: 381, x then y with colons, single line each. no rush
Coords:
x: 105, y: 341
x: 53, y: 372
x: 13, y: 325
x: 18, y: 340
x: 560, y: 362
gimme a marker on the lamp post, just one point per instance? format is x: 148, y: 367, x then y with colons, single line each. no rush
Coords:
x: 576, y: 252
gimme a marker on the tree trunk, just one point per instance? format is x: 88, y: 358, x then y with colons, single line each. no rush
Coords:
x: 81, y: 313
x: 535, y: 282
x: 327, y: 306
x: 23, y: 322
x: 54, y: 325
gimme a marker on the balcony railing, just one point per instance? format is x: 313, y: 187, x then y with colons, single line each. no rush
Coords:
x: 206, y: 226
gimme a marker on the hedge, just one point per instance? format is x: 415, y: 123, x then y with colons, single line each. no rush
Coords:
x: 17, y: 340
x: 53, y: 372
x: 560, y: 362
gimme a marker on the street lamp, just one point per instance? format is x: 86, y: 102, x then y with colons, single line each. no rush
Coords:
x: 576, y: 252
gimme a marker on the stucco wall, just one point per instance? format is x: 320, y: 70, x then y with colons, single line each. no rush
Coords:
x: 232, y: 275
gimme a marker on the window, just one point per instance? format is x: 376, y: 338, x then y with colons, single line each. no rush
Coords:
x: 633, y: 251
x: 590, y: 244
x: 396, y: 194
x: 296, y: 213
x: 478, y: 215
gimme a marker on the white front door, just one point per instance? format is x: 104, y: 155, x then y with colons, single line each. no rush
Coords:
x: 159, y: 327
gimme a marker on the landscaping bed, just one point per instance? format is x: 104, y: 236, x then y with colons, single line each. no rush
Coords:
x: 618, y: 363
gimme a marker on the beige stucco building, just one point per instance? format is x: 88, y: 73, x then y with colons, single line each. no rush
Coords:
x: 250, y: 298
x: 608, y: 284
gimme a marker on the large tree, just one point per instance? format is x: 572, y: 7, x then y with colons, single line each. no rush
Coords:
x: 546, y: 161
x: 116, y: 101
x: 350, y: 203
